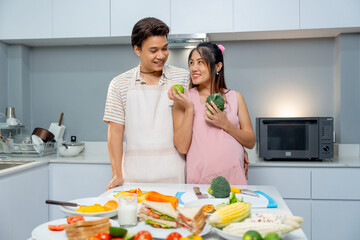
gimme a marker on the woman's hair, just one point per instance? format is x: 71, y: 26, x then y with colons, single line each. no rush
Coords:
x: 148, y: 27
x: 212, y: 55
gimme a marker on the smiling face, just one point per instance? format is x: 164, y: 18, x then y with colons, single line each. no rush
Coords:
x: 199, y: 71
x: 153, y: 53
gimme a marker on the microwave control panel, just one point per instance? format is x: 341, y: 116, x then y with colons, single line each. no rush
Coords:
x: 326, y: 140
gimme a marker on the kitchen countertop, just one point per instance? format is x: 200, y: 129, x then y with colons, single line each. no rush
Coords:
x: 347, y: 156
x: 270, y: 190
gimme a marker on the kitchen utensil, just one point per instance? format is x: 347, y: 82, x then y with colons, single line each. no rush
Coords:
x: 38, y: 143
x: 198, y: 193
x: 44, y: 134
x: 12, y: 121
x: 58, y: 130
x: 71, y: 149
x: 10, y: 112
x: 71, y: 204
x: 264, y: 201
x: 248, y: 192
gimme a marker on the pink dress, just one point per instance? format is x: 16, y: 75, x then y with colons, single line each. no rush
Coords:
x: 213, y: 152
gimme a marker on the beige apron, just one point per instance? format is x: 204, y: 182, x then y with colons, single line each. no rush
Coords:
x: 150, y: 155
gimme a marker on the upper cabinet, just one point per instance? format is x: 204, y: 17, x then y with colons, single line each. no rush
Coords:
x: 329, y: 14
x: 265, y: 15
x: 66, y: 22
x: 81, y: 18
x: 125, y: 13
x: 201, y: 16
x: 24, y: 19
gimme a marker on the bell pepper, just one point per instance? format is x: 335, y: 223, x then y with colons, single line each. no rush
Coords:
x: 192, y: 237
x: 157, y: 197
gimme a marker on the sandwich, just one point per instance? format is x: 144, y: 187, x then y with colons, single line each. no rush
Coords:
x: 192, y: 218
x: 158, y: 214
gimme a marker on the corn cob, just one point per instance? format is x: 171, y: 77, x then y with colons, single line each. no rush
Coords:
x: 240, y: 228
x: 234, y: 190
x: 235, y: 212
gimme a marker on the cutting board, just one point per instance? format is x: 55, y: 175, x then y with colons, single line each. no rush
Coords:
x: 190, y: 199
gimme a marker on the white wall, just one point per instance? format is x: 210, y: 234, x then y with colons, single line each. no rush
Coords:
x: 3, y: 77
x: 276, y: 77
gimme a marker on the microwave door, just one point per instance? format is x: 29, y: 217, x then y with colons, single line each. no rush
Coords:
x: 291, y: 140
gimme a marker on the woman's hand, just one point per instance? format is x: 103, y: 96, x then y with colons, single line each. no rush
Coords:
x: 180, y: 98
x: 215, y: 116
x: 246, y: 164
x: 115, y: 181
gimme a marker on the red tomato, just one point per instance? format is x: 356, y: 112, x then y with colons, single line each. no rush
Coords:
x: 118, y: 239
x: 174, y: 236
x: 143, y: 235
x: 104, y: 236
x: 74, y: 218
x: 60, y: 227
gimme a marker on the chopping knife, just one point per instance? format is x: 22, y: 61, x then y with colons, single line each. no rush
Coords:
x: 248, y: 192
x: 198, y: 193
x: 64, y: 203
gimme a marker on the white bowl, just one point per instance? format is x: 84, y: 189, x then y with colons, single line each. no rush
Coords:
x: 70, y: 151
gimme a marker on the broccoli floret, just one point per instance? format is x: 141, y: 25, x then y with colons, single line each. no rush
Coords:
x: 219, y: 188
x: 209, y: 190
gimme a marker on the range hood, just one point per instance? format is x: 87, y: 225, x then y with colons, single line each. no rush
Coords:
x: 186, y: 40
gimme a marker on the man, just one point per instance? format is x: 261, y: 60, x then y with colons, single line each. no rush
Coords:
x: 138, y: 107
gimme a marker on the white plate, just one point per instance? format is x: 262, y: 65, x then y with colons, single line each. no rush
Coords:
x: 70, y: 211
x: 226, y: 235
x: 231, y: 236
x: 163, y: 233
x: 42, y: 232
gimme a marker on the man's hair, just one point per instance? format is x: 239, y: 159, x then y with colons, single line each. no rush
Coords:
x: 148, y: 27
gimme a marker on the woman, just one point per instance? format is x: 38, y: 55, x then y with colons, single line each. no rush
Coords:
x: 212, y: 139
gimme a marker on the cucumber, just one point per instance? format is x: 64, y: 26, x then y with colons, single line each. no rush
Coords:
x: 129, y: 236
x: 117, y: 232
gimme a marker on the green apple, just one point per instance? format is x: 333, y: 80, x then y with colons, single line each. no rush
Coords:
x: 180, y: 87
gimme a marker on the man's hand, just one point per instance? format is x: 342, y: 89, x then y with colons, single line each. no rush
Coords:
x: 246, y: 164
x: 115, y: 181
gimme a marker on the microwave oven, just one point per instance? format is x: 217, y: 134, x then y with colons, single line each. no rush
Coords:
x: 295, y: 138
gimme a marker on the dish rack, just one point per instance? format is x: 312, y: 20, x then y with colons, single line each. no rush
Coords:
x: 30, y: 150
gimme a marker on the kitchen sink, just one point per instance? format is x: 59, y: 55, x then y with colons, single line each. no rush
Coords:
x: 4, y: 164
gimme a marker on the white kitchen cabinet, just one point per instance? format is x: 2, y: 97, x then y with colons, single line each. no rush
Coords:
x: 124, y: 14
x: 22, y: 201
x: 290, y: 182
x: 81, y: 18
x: 265, y: 15
x: 23, y: 19
x: 73, y: 181
x: 201, y: 16
x: 329, y: 14
x: 301, y: 208
x: 335, y: 219
x: 336, y: 183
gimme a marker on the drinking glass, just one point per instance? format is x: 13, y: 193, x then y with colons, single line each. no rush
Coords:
x: 127, y: 210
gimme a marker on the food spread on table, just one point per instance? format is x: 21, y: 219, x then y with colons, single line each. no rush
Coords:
x: 233, y: 217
